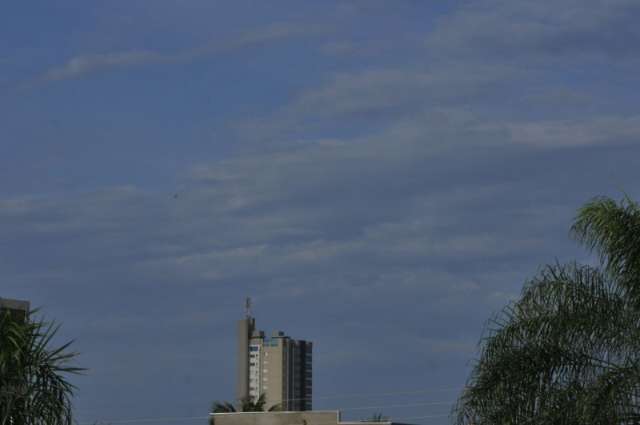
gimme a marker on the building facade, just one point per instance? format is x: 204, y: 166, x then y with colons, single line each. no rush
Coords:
x: 279, y: 367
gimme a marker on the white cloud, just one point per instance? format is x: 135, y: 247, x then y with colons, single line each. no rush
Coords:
x: 82, y: 65
x: 87, y: 64
x: 372, y: 98
x: 352, y: 48
x: 520, y: 28
x: 600, y: 130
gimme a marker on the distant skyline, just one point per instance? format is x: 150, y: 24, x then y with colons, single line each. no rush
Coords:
x: 379, y: 176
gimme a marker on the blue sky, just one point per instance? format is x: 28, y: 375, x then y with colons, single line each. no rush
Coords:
x: 380, y: 176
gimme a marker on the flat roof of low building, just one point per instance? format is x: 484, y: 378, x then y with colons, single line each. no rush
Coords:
x: 14, y: 304
x: 309, y: 417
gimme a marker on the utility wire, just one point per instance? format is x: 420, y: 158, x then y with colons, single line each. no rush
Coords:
x: 439, y: 390
x: 143, y: 420
x: 191, y: 418
x: 420, y: 417
x: 392, y: 406
x: 176, y: 418
x: 423, y: 391
x: 359, y: 395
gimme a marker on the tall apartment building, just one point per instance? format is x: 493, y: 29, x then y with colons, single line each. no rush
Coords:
x: 17, y: 308
x: 278, y: 367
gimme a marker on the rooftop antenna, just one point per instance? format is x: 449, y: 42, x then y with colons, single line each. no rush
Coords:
x: 247, y: 307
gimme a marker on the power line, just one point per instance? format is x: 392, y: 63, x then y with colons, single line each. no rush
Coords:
x: 431, y: 390
x: 190, y: 418
x: 422, y: 417
x: 360, y: 395
x: 391, y: 406
x: 423, y: 391
x: 391, y: 393
x: 176, y: 418
x: 143, y: 420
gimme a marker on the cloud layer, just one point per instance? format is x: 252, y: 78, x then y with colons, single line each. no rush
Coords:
x: 82, y: 65
x: 381, y: 198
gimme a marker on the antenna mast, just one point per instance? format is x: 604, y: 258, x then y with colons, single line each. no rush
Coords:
x: 247, y: 307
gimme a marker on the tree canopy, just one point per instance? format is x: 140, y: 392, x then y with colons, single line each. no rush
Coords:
x: 247, y: 404
x: 568, y: 351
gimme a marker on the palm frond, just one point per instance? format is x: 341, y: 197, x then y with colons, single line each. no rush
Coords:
x: 276, y: 408
x: 611, y: 229
x: 222, y: 407
x: 546, y: 356
x: 34, y: 388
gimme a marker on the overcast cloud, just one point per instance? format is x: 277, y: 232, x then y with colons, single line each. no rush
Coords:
x: 381, y: 177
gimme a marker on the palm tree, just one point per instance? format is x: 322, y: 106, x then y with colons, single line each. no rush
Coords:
x: 222, y: 407
x: 568, y: 351
x: 377, y: 417
x: 247, y: 404
x: 33, y: 386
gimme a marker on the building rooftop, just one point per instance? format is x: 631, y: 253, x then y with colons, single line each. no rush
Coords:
x: 14, y: 304
x: 18, y: 309
x: 311, y: 417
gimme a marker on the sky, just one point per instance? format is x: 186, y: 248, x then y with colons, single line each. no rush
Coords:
x: 381, y: 177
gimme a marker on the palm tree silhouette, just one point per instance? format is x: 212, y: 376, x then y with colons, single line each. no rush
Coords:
x: 568, y: 351
x: 247, y: 404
